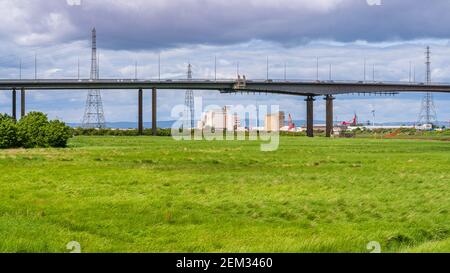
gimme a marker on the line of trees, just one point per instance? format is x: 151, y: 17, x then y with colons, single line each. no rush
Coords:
x: 118, y: 132
x: 33, y: 131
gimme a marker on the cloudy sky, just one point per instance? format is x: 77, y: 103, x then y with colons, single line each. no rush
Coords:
x: 391, y: 37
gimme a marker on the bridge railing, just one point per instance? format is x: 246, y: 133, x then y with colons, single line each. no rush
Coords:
x: 276, y: 81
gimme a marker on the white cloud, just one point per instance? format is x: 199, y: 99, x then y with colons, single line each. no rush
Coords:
x: 392, y: 64
x: 59, y: 34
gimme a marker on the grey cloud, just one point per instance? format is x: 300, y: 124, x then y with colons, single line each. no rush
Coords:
x: 161, y: 24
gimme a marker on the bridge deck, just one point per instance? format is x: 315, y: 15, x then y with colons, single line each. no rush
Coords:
x: 304, y: 88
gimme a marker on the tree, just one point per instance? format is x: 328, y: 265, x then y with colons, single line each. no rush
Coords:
x: 31, y: 130
x: 57, y: 134
x: 8, y: 132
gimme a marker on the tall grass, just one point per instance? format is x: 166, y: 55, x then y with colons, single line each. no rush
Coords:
x: 143, y: 194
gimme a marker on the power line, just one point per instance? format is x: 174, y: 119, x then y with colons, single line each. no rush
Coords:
x: 35, y: 66
x: 215, y: 68
x: 330, y: 72
x: 317, y: 68
x: 373, y: 72
x: 428, y: 111
x: 364, y: 69
x: 410, y: 71
x: 94, y: 115
x: 159, y: 67
x: 237, y: 69
x: 189, y: 103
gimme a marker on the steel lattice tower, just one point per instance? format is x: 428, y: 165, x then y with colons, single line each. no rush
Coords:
x: 428, y: 110
x: 94, y: 116
x: 189, y: 103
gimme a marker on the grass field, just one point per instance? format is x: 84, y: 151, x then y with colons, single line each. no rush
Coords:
x: 131, y: 194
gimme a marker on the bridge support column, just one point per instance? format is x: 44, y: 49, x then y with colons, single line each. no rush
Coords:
x: 310, y: 116
x: 140, y: 113
x: 154, y: 112
x: 329, y: 115
x: 14, y: 104
x: 22, y: 103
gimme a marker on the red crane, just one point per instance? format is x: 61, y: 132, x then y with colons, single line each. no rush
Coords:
x: 354, y: 122
x: 291, y: 124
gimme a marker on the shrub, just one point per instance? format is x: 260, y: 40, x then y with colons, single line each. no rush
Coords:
x: 31, y: 130
x: 57, y: 134
x: 8, y: 132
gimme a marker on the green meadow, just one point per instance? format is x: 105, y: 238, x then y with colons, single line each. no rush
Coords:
x: 153, y: 194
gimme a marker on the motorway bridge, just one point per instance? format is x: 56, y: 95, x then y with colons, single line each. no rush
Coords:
x: 309, y: 89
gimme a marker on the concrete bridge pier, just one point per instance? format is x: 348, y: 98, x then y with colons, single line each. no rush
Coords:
x: 14, y: 104
x: 329, y: 115
x: 22, y: 103
x: 154, y: 112
x: 140, y: 112
x: 310, y: 116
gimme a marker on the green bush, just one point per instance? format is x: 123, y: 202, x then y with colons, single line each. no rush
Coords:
x: 57, y: 134
x: 32, y: 130
x: 8, y: 132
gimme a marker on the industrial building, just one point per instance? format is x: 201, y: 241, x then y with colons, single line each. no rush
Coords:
x: 220, y: 119
x: 274, y: 122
